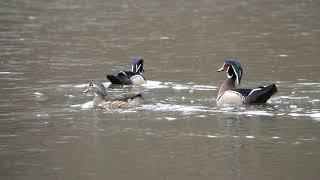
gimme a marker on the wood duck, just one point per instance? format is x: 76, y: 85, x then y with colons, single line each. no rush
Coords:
x: 133, y: 77
x: 230, y: 94
x: 103, y: 101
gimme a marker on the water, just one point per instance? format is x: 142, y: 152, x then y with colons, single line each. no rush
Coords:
x: 51, y: 50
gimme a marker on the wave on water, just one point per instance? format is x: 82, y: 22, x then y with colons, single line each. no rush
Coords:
x: 175, y: 108
x: 176, y: 86
x: 11, y: 73
x: 5, y: 72
x: 291, y: 105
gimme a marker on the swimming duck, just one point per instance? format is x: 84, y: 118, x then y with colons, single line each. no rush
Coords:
x: 103, y: 101
x: 133, y: 77
x: 230, y: 94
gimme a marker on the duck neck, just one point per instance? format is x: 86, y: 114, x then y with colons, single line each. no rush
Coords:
x: 228, y: 84
x: 98, y: 99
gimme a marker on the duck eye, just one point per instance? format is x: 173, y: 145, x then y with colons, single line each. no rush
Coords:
x: 229, y: 72
x: 91, y: 84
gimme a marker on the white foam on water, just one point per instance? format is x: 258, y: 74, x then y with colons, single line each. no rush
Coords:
x: 308, y: 83
x: 43, y: 115
x: 296, y: 114
x: 175, y: 108
x: 201, y: 116
x: 253, y: 113
x: 87, y: 105
x: 204, y: 87
x: 315, y: 100
x: 7, y: 135
x: 250, y: 137
x: 66, y: 85
x: 170, y: 118
x: 164, y: 38
x: 154, y: 85
x: 193, y: 87
x: 38, y: 94
x: 293, y: 98
x: 3, y: 72
x: 293, y: 106
x: 281, y: 114
x: 180, y: 87
x: 212, y: 136
x: 125, y: 110
x: 159, y: 85
x: 315, y: 115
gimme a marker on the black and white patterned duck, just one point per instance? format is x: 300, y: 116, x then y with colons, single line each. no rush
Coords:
x: 133, y: 77
x: 103, y: 101
x: 230, y: 94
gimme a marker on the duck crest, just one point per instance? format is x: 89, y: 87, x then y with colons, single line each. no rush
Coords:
x: 137, y: 66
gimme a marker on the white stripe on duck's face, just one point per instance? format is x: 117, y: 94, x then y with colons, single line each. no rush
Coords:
x: 230, y: 97
x: 233, y: 71
x: 137, y: 67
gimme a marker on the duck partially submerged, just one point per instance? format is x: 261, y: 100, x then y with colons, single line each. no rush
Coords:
x: 230, y: 94
x: 102, y: 100
x: 133, y: 77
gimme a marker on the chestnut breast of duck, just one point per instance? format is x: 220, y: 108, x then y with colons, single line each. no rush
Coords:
x: 103, y: 101
x: 133, y: 77
x: 230, y: 94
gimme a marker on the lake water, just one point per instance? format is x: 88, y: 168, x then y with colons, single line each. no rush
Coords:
x: 51, y: 49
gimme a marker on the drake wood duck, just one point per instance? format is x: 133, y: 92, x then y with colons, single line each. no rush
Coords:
x: 103, y: 101
x: 133, y: 77
x: 230, y: 94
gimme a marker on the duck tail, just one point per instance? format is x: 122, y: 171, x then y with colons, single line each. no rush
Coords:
x: 262, y: 94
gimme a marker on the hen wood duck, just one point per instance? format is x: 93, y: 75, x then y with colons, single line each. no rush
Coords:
x: 133, y: 77
x: 230, y: 94
x: 103, y: 101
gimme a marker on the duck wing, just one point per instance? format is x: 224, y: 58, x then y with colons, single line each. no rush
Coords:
x: 125, y: 97
x: 123, y: 77
x: 258, y: 95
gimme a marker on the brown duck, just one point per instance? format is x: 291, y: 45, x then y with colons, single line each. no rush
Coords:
x: 103, y: 101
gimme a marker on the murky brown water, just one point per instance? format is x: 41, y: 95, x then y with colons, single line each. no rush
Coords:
x: 51, y: 49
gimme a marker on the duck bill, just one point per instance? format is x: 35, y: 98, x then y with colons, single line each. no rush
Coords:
x: 86, y: 91
x: 221, y: 69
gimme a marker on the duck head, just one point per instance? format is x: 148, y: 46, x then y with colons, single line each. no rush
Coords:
x: 233, y: 69
x: 137, y: 65
x: 98, y: 89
